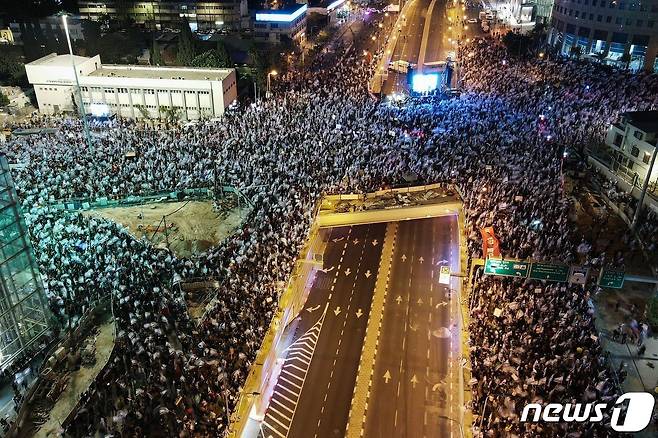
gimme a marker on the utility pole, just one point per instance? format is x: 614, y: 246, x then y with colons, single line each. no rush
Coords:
x: 83, y: 113
x: 640, y: 203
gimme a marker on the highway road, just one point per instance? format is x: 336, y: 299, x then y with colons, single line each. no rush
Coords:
x: 313, y: 392
x: 444, y: 28
x: 415, y: 388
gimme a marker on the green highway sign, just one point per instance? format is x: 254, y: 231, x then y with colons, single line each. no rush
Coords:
x: 611, y: 278
x: 549, y: 271
x: 508, y: 268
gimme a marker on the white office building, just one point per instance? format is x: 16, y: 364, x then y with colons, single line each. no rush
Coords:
x: 129, y: 90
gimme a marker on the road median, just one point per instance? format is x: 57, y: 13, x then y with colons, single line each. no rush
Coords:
x: 361, y: 394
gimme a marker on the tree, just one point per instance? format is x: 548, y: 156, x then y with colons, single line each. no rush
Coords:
x: 4, y: 100
x: 259, y: 64
x: 212, y: 59
x: 156, y: 54
x: 186, y: 48
x: 12, y: 70
x: 222, y: 55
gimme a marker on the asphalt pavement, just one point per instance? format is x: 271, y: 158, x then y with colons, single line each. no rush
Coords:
x: 314, y: 390
x: 445, y: 29
x: 415, y: 388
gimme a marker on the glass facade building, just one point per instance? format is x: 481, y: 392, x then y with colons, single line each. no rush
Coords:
x: 615, y: 32
x: 23, y: 311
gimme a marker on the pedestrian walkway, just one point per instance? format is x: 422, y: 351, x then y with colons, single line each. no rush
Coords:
x: 281, y: 410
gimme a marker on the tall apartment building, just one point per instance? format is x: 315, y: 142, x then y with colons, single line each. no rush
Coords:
x: 616, y: 32
x: 160, y: 14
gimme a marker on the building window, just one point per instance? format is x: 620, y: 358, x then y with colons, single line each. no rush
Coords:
x: 635, y: 151
x: 650, y: 23
x: 646, y: 158
x: 638, y: 134
x: 591, y: 17
x: 608, y: 19
x: 599, y: 18
x: 618, y: 140
x: 618, y: 20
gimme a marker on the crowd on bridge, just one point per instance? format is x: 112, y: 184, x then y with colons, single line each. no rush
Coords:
x: 501, y: 142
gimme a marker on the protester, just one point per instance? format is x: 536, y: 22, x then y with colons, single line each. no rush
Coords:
x: 501, y: 143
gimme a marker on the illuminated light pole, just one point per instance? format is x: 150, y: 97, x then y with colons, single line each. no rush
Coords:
x: 269, y: 75
x: 83, y: 113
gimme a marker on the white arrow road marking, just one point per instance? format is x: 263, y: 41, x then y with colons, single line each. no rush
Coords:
x: 387, y: 376
x: 442, y: 303
x: 421, y: 259
x: 399, y: 299
x: 347, y: 271
x: 440, y: 262
x: 337, y: 311
x: 359, y: 313
x: 442, y: 332
x: 312, y: 309
x: 414, y: 380
x: 404, y: 257
x: 436, y: 387
x: 368, y: 274
x: 328, y: 270
x: 355, y: 241
x: 413, y: 327
x: 420, y: 301
x: 375, y: 242
x: 338, y: 239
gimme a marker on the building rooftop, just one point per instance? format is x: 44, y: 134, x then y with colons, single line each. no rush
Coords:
x: 284, y: 14
x: 55, y: 60
x: 647, y: 121
x: 140, y: 72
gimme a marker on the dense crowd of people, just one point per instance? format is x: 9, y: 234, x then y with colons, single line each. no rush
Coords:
x: 501, y: 142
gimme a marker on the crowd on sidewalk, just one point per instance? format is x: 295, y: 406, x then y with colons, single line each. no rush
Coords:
x: 501, y: 142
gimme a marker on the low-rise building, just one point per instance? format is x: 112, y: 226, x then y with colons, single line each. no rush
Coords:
x: 130, y: 90
x: 279, y: 25
x: 46, y: 28
x: 204, y: 14
x: 629, y: 147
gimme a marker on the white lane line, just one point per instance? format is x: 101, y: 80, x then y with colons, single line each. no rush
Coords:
x: 295, y: 367
x: 274, y: 429
x: 280, y: 394
x: 288, y: 373
x: 279, y: 412
x: 292, y: 383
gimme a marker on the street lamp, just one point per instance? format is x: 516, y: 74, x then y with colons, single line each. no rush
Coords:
x: 269, y: 75
x: 461, y: 430
x: 83, y: 113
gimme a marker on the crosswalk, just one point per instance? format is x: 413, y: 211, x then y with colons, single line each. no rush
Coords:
x: 288, y: 389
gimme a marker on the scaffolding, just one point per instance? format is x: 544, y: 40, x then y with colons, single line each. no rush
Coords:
x: 23, y: 312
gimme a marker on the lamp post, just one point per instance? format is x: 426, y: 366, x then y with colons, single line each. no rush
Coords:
x: 445, y: 417
x: 640, y: 203
x: 269, y: 81
x: 83, y: 113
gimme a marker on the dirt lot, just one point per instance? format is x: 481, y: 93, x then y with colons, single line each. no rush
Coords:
x: 195, y: 227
